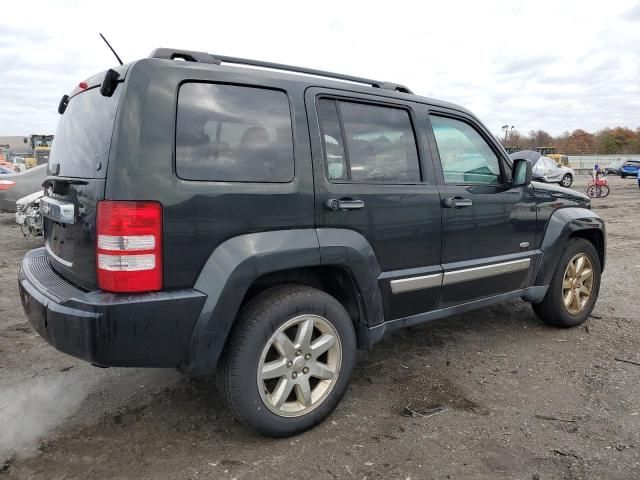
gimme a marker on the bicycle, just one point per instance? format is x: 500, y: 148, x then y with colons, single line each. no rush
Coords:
x: 598, y: 188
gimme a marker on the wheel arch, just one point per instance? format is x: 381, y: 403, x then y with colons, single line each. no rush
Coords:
x: 340, y: 262
x: 566, y: 223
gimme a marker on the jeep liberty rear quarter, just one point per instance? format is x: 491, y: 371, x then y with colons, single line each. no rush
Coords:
x: 212, y: 215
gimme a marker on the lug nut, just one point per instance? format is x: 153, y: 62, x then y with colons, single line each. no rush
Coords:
x: 298, y: 353
x: 294, y: 375
x: 305, y: 370
x: 289, y: 364
x: 307, y: 356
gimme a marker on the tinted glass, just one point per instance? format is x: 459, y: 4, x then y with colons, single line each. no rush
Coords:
x: 234, y: 134
x: 83, y: 136
x: 335, y: 162
x: 380, y: 143
x: 464, y: 154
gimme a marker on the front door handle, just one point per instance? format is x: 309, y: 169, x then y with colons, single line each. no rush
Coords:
x: 457, y: 202
x: 344, y: 204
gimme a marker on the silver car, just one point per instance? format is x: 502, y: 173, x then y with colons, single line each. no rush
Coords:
x: 547, y: 170
x: 14, y: 186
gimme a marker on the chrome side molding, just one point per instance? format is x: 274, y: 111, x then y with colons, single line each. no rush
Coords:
x: 411, y: 284
x: 485, y: 271
x: 416, y: 283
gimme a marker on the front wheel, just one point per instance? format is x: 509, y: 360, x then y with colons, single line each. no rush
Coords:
x: 623, y: 176
x: 289, y: 360
x: 574, y: 287
x: 604, y: 191
x: 593, y: 191
x: 566, y: 181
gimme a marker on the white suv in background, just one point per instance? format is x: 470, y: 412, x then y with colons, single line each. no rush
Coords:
x: 547, y: 170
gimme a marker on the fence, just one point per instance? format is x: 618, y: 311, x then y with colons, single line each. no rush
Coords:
x: 586, y: 162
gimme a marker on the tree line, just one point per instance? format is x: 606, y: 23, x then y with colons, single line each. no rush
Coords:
x: 579, y: 142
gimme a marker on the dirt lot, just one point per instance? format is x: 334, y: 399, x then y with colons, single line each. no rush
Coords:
x: 523, y: 400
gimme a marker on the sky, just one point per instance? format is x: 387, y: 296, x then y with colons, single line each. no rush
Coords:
x: 550, y: 65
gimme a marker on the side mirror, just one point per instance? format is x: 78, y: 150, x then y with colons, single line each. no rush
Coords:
x: 521, y: 172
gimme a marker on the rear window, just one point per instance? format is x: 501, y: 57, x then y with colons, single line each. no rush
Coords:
x: 234, y: 134
x: 82, y: 139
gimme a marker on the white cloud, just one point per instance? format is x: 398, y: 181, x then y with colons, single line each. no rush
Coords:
x: 537, y: 65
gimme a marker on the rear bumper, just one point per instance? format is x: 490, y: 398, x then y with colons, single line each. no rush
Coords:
x: 120, y: 330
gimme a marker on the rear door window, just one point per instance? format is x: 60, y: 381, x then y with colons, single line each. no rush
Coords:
x: 368, y: 143
x: 234, y: 134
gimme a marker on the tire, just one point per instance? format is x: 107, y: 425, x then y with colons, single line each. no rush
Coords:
x: 552, y: 308
x: 623, y: 176
x: 604, y: 191
x: 255, y: 342
x: 593, y: 191
x: 566, y: 181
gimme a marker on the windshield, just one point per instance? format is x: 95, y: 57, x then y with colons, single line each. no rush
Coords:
x: 82, y: 140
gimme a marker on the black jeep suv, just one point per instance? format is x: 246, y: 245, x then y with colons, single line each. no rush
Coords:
x: 212, y: 213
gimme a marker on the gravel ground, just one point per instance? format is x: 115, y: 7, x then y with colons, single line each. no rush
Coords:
x: 522, y: 400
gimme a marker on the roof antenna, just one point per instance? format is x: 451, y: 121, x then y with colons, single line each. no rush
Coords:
x: 111, y: 48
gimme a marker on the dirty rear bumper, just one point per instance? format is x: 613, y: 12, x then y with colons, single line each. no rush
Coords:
x: 106, y: 329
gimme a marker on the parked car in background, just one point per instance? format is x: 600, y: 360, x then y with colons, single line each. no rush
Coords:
x: 546, y: 170
x: 5, y: 171
x: 14, y: 186
x: 630, y: 169
x: 28, y: 214
x: 614, y: 168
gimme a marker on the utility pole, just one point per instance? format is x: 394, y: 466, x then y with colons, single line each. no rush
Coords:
x: 506, y: 130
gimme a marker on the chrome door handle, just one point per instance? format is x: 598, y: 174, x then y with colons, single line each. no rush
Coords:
x: 457, y: 202
x: 346, y: 204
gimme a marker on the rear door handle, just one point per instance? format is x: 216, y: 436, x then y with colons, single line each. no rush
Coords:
x: 344, y: 204
x: 457, y: 202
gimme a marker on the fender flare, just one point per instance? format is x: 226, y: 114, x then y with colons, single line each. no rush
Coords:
x: 562, y: 224
x: 236, y: 263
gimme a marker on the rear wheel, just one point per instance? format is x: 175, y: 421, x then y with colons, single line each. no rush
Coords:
x: 566, y: 181
x: 289, y: 360
x: 622, y: 175
x: 574, y: 287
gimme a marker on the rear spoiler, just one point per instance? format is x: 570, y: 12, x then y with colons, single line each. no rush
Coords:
x: 107, y: 80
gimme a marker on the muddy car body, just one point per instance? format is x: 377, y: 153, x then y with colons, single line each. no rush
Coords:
x: 264, y: 224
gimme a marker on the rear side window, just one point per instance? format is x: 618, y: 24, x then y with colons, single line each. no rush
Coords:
x: 367, y: 143
x: 233, y: 134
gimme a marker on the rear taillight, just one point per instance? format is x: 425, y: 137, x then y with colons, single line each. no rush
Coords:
x: 6, y: 184
x: 129, y: 246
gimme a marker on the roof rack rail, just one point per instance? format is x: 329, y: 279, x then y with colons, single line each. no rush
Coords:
x: 186, y: 55
x: 202, y: 57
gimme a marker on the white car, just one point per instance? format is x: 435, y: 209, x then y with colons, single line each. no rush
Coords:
x: 547, y: 170
x: 28, y: 213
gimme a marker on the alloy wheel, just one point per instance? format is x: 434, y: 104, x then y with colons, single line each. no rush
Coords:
x: 577, y: 283
x: 299, y: 365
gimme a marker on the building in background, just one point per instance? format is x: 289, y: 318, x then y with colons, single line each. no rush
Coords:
x: 17, y: 145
